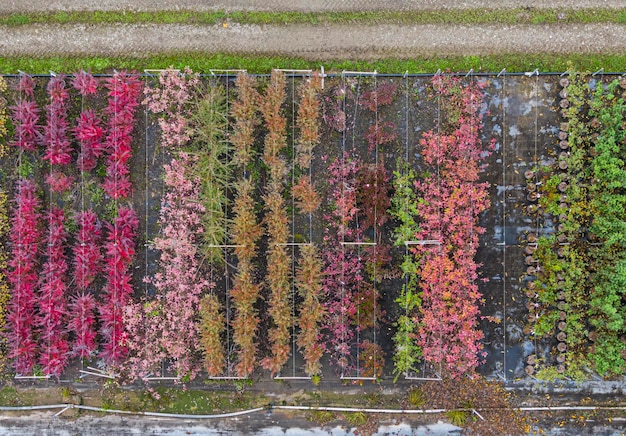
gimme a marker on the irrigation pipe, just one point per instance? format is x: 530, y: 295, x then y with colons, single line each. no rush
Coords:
x: 65, y: 407
x: 68, y: 406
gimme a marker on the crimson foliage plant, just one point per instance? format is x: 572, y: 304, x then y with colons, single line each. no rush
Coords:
x: 451, y: 202
x: 87, y: 265
x: 25, y: 238
x: 82, y: 324
x: 381, y: 95
x: 52, y: 298
x: 123, y: 99
x: 119, y: 249
x: 26, y: 116
x: 85, y: 83
x: 55, y: 136
x: 88, y: 130
x: 89, y: 133
x: 58, y: 182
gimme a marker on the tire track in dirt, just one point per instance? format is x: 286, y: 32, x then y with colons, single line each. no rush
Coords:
x: 310, y: 42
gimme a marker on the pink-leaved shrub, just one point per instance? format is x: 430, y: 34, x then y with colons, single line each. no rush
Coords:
x: 123, y: 99
x: 166, y: 327
x: 25, y: 237
x: 52, y: 300
x: 87, y: 265
x: 55, y: 137
x: 119, y: 253
x: 89, y: 133
x: 343, y: 266
x: 26, y: 116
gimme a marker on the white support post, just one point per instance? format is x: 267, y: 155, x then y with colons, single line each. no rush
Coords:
x: 278, y: 377
x: 359, y: 73
x: 227, y: 378
x: 407, y: 377
x: 423, y: 242
x: 157, y: 71
x: 344, y: 377
x: 95, y: 374
x: 226, y: 71
x: 294, y: 72
x: 31, y: 377
x: 162, y: 378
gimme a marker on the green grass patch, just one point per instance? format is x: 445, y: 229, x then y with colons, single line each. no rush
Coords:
x: 9, y: 396
x: 197, y: 402
x: 322, y: 417
x: 12, y: 396
x: 459, y: 418
x: 461, y: 16
x: 176, y: 400
x: 202, y: 63
x: 356, y: 418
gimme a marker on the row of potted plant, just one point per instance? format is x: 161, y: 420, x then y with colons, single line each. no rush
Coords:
x: 213, y: 171
x: 607, y: 311
x: 308, y: 279
x: 578, y: 286
x: 407, y: 355
x: 277, y: 225
x: 355, y: 257
x: 246, y: 230
x: 373, y: 200
x: 450, y: 201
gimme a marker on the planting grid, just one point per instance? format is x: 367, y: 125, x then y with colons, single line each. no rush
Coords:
x: 519, y: 112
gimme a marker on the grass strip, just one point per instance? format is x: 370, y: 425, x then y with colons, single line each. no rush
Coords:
x: 466, y: 16
x: 202, y: 63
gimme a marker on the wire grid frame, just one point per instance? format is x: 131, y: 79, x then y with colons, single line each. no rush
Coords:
x: 33, y: 376
x: 49, y: 219
x: 19, y: 275
x: 293, y: 245
x: 536, y: 156
x: 359, y: 243
x: 503, y: 176
x: 504, y: 103
x: 82, y: 198
x: 426, y: 368
x: 226, y: 247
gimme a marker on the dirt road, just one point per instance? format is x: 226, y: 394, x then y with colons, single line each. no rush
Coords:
x: 311, y: 42
x: 316, y: 42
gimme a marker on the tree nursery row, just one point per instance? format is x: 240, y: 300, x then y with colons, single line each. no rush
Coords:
x: 184, y: 226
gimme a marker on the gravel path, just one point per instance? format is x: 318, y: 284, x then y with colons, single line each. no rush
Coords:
x: 8, y: 6
x: 311, y: 42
